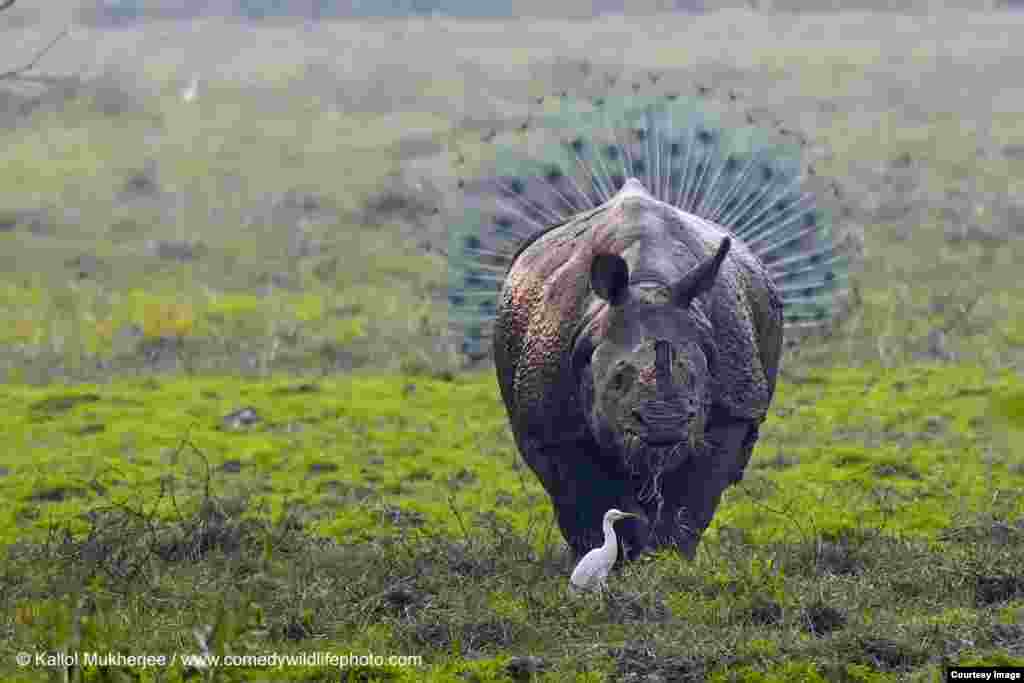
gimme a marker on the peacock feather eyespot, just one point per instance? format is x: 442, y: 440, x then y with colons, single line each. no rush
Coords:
x: 553, y: 174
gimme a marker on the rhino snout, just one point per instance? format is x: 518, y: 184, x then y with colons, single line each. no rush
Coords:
x: 663, y: 423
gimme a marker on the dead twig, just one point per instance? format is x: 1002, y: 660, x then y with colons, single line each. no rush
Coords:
x: 16, y: 73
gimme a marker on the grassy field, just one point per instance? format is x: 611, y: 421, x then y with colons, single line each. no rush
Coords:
x: 390, y: 516
x: 167, y: 265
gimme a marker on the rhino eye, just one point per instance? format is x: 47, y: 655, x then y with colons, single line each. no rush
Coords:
x: 622, y: 377
x: 583, y: 349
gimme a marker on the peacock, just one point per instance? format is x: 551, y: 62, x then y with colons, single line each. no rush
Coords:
x: 755, y: 178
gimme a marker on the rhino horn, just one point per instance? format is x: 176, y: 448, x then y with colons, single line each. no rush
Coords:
x: 663, y: 370
x: 609, y: 278
x: 701, y: 277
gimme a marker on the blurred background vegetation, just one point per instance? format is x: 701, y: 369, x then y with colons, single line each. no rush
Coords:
x: 279, y: 220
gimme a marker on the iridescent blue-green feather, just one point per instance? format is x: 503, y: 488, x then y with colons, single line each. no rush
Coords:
x: 575, y: 155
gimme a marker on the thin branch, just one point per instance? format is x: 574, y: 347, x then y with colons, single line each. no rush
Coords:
x: 15, y: 73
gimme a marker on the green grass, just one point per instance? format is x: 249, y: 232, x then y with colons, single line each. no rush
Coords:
x: 417, y: 478
x: 317, y: 443
x: 907, y: 441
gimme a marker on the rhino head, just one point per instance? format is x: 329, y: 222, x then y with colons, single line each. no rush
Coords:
x: 645, y: 373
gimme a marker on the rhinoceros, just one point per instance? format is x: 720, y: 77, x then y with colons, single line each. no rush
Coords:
x: 636, y: 348
x: 637, y: 325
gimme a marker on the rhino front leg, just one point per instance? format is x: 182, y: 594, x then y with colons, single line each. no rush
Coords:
x: 584, y: 484
x: 692, y: 492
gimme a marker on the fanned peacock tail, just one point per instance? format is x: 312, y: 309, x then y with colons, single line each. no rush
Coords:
x: 754, y: 180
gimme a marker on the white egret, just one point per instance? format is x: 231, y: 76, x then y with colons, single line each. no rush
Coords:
x: 190, y: 93
x: 592, y: 571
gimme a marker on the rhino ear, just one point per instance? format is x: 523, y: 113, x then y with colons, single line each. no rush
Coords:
x: 701, y: 277
x: 609, y: 278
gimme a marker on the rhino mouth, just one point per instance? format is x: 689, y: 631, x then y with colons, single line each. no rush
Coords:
x: 663, y: 440
x: 658, y: 453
